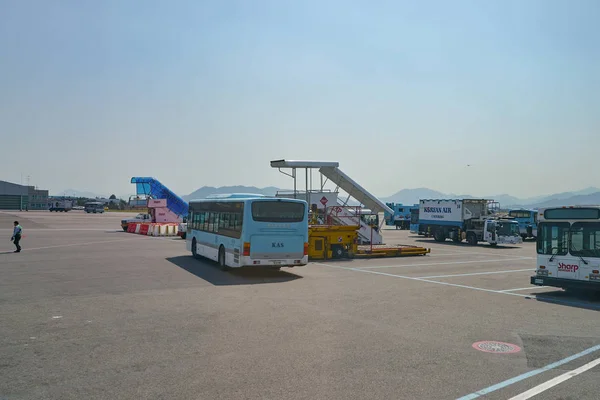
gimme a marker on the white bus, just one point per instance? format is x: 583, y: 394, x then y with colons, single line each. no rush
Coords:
x: 94, y: 207
x: 568, y: 248
x: 241, y: 230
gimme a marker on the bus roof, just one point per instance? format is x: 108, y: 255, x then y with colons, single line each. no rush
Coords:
x: 579, y: 212
x: 244, y: 196
x: 578, y: 206
x: 234, y: 195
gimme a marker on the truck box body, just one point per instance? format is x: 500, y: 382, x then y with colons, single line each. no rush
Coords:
x: 470, y: 219
x: 453, y: 212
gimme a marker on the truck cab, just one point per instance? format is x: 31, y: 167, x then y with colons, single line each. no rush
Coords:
x: 141, y: 217
x: 501, y: 231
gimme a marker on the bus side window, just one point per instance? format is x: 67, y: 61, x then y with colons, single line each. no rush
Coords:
x: 224, y: 220
x: 237, y: 222
x: 203, y: 221
x: 209, y: 221
x: 215, y: 222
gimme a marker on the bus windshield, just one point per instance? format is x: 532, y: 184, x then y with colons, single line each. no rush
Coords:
x: 553, y: 238
x: 519, y: 214
x: 508, y: 229
x: 277, y: 211
x: 585, y: 239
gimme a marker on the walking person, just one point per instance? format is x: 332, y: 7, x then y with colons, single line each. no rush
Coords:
x: 16, y: 237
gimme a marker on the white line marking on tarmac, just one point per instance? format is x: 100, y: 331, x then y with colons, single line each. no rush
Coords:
x: 481, y: 273
x: 77, y: 244
x: 66, y: 229
x: 448, y: 263
x: 524, y: 288
x: 423, y: 280
x: 548, y: 299
x: 468, y: 253
x: 526, y: 375
x: 555, y: 381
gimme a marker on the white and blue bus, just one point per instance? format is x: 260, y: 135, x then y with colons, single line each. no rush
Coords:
x: 527, y: 220
x: 240, y: 230
x: 568, y: 248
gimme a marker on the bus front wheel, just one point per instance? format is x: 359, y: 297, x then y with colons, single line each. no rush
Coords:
x: 222, y: 264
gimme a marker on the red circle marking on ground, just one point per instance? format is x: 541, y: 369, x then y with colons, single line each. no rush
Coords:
x: 494, y: 346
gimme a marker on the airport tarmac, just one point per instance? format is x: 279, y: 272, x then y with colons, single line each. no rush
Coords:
x: 88, y: 311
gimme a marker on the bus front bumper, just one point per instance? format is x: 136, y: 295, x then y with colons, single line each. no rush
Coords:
x: 510, y: 240
x: 564, y: 283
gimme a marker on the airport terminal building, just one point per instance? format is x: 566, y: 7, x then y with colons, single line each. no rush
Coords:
x: 21, y: 197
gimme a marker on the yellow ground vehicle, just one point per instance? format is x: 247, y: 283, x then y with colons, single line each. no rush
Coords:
x: 341, y: 241
x: 332, y: 241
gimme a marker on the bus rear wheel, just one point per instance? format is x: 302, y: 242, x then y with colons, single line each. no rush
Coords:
x: 222, y: 264
x: 194, y: 253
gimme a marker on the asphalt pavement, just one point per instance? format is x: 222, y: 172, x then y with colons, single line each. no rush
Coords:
x: 88, y: 311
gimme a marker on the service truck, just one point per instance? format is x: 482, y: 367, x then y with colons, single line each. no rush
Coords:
x: 141, y: 217
x: 61, y: 205
x: 470, y: 219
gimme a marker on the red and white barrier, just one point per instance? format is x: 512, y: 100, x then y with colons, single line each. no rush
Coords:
x: 153, y: 229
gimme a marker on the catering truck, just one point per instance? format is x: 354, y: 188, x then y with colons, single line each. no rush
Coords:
x: 61, y: 205
x: 470, y: 219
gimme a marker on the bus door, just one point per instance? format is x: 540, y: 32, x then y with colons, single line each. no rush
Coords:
x: 554, y: 244
x: 584, y: 249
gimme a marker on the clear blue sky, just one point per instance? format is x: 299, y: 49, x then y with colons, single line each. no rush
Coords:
x: 402, y: 94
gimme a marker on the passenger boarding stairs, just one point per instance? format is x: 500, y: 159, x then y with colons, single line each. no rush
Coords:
x: 349, y: 186
x: 350, y: 215
x: 341, y: 214
x: 366, y: 233
x: 151, y: 187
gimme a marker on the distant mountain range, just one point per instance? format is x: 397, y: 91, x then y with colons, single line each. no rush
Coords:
x: 205, y: 191
x: 77, y: 193
x: 589, y: 195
